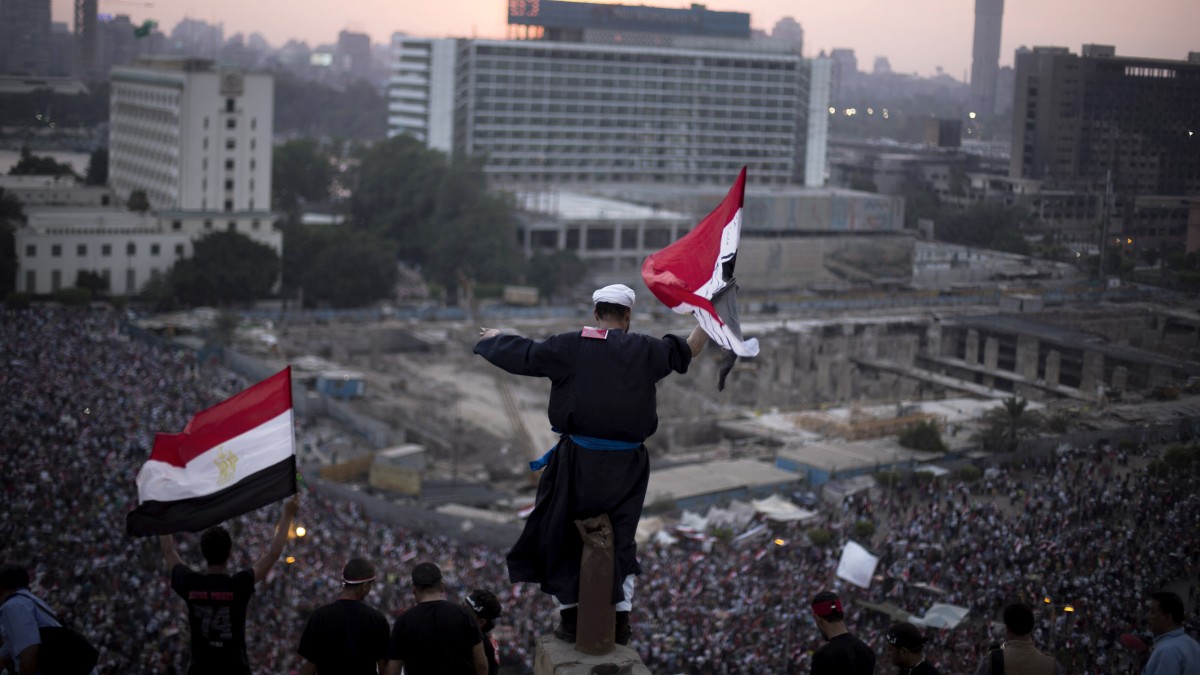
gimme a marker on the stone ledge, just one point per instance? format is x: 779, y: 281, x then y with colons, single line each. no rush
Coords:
x: 555, y: 657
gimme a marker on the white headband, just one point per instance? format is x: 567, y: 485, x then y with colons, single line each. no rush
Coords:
x: 617, y: 294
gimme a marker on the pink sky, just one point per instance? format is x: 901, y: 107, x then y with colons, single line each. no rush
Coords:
x: 915, y: 35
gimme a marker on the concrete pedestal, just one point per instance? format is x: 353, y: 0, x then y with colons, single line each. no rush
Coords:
x: 555, y: 657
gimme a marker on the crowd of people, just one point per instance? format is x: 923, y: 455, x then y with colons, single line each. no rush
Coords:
x: 82, y: 404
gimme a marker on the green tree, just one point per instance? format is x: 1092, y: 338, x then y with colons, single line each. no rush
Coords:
x: 307, y: 108
x: 301, y: 171
x: 924, y: 436
x: 984, y: 225
x: 138, y: 202
x: 554, y: 272
x: 395, y: 192
x: 97, y: 171
x: 1007, y: 424
x: 352, y: 271
x: 226, y: 268
x: 92, y: 281
x: 33, y: 165
x: 12, y: 216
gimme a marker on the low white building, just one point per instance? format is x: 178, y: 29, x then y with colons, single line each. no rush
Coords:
x: 126, y: 248
x: 46, y: 190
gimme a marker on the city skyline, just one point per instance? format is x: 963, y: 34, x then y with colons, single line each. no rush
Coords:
x: 904, y: 33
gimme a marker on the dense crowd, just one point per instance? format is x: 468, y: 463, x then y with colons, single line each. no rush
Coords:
x: 82, y: 403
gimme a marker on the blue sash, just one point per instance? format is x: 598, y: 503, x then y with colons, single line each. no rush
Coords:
x: 589, y: 442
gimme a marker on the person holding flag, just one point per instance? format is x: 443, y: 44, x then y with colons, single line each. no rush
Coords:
x: 695, y: 274
x: 603, y: 402
x: 216, y: 601
x: 230, y: 459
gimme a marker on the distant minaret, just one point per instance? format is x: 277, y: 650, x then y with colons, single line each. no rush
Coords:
x: 985, y: 55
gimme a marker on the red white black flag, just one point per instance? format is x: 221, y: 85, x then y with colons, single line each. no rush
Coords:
x: 695, y: 273
x: 232, y: 458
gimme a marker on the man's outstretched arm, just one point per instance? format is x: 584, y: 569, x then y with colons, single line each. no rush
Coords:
x: 263, y: 565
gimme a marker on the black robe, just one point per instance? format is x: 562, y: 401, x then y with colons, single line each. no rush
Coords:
x: 601, y: 388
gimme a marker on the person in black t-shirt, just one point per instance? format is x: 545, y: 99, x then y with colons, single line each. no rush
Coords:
x: 347, y: 636
x: 216, y: 601
x: 905, y: 647
x: 843, y: 654
x: 485, y: 608
x: 435, y: 636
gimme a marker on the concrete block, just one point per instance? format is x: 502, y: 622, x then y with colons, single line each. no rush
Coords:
x: 1027, y: 357
x: 971, y: 354
x: 555, y: 657
x: 991, y: 352
x: 1053, y: 367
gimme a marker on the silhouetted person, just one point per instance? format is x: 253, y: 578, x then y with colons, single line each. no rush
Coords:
x: 216, y: 600
x: 348, y: 635
x: 1018, y: 656
x: 435, y: 636
x: 485, y: 607
x: 842, y: 654
x: 1175, y: 652
x: 905, y: 647
x: 22, y: 616
x: 603, y: 400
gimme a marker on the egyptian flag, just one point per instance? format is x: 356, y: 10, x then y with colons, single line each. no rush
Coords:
x: 230, y: 459
x: 695, y: 274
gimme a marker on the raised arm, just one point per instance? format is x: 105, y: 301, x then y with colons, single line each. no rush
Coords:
x: 697, y: 340
x: 264, y: 564
x: 167, y: 541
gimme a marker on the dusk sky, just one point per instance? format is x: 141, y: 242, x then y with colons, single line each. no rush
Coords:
x: 915, y: 35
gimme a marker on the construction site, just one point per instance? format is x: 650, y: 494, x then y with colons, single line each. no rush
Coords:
x: 405, y: 412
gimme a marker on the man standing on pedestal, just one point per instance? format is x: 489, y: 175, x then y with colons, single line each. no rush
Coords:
x: 603, y: 402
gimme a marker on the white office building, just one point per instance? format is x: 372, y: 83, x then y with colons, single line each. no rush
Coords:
x: 197, y: 139
x: 563, y: 112
x: 421, y: 90
x: 128, y: 249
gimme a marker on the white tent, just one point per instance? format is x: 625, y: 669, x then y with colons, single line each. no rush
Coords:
x: 736, y: 517
x: 647, y: 528
x: 781, y: 510
x: 942, y: 616
x: 933, y: 469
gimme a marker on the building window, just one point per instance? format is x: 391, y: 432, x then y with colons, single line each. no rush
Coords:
x: 131, y: 248
x: 81, y: 250
x: 229, y: 103
x: 229, y: 165
x: 106, y: 250
x: 254, y: 224
x: 130, y: 281
x: 228, y: 183
x: 55, y: 280
x: 253, y: 144
x: 30, y: 281
x: 208, y: 224
x: 154, y: 249
x: 206, y: 144
x: 232, y: 226
x: 56, y: 250
x: 231, y: 123
x: 30, y: 251
x: 177, y: 225
x: 228, y: 205
x: 253, y: 122
x: 178, y: 250
x: 230, y: 144
x: 205, y: 123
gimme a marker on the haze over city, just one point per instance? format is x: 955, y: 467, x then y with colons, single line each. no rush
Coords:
x: 917, y: 36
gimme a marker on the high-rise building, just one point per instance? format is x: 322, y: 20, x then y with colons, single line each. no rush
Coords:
x: 790, y: 30
x: 845, y: 73
x: 820, y: 88
x: 354, y: 54
x: 197, y: 140
x: 116, y: 44
x: 985, y: 55
x: 1080, y: 120
x: 621, y: 94
x: 85, y: 39
x: 421, y: 90
x: 25, y: 37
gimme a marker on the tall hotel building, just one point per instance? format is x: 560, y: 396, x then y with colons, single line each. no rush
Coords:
x: 197, y: 139
x: 591, y: 94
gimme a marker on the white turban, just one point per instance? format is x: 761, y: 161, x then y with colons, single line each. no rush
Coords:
x: 617, y: 294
